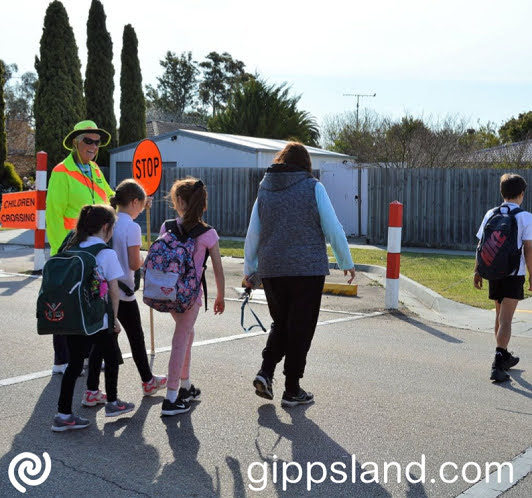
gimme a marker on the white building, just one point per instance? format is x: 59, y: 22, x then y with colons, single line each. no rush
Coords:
x: 200, y: 149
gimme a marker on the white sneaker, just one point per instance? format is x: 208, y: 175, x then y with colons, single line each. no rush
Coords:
x: 59, y: 369
x: 93, y: 399
x: 157, y: 383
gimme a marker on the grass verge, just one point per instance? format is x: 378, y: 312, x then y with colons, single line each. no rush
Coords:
x: 448, y: 275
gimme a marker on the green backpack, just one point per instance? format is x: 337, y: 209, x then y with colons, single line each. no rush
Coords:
x: 72, y: 300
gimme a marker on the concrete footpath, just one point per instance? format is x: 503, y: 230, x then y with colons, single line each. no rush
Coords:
x: 418, y: 299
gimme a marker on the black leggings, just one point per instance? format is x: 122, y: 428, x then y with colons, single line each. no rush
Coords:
x: 103, y: 343
x: 129, y: 317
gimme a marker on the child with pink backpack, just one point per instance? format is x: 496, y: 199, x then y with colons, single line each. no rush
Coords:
x: 173, y: 274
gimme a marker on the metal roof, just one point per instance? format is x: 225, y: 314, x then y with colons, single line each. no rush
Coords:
x: 520, y: 152
x: 236, y: 142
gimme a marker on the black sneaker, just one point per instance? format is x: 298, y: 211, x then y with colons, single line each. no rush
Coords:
x: 191, y: 394
x: 302, y: 398
x: 263, y: 386
x: 499, y: 375
x: 509, y: 360
x: 178, y: 406
x: 504, y: 360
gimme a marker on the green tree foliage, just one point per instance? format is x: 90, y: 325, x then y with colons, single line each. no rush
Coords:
x: 485, y: 137
x: 3, y: 135
x: 220, y: 74
x: 99, y: 82
x: 19, y: 96
x: 517, y: 130
x: 256, y: 109
x: 9, y: 179
x: 59, y: 102
x: 177, y: 87
x: 412, y: 142
x: 132, y: 103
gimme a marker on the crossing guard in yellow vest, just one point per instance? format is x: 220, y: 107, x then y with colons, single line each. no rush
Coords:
x: 76, y: 181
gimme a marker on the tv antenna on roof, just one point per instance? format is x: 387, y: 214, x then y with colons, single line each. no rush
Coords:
x: 358, y: 95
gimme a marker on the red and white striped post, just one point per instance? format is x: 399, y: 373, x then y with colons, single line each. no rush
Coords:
x: 393, y: 261
x: 40, y: 186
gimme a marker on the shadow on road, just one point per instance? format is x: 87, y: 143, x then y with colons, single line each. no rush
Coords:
x: 11, y: 287
x: 187, y: 477
x: 83, y: 462
x: 426, y: 328
x: 310, y: 444
x: 516, y: 375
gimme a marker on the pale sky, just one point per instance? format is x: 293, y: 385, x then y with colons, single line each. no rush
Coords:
x: 466, y: 57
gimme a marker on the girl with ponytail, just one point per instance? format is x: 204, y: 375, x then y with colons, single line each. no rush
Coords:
x: 94, y: 226
x: 189, y: 198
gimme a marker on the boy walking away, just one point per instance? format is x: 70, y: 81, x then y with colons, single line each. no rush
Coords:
x: 503, y: 255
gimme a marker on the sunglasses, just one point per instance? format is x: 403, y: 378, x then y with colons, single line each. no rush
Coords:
x: 90, y: 141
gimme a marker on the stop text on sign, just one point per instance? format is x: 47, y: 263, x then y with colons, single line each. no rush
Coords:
x: 148, y: 166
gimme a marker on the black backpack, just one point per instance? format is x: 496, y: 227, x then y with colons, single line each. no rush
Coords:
x: 498, y: 255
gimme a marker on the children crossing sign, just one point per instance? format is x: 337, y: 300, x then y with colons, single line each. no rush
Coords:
x: 148, y: 166
x: 19, y: 210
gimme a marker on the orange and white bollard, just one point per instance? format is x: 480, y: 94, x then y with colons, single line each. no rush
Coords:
x: 40, y: 186
x: 393, y: 261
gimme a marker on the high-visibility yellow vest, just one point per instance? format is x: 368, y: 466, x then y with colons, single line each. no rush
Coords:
x: 68, y: 191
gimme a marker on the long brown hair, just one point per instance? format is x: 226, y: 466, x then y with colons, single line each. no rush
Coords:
x: 193, y: 192
x: 296, y: 154
x: 92, y: 218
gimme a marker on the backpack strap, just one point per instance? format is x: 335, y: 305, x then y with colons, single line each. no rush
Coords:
x: 171, y: 226
x: 198, y: 230
x: 94, y: 249
x: 513, y: 211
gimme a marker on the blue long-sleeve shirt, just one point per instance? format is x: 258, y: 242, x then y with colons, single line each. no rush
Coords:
x: 332, y: 229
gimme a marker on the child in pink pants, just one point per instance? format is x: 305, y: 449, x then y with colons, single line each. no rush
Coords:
x: 189, y: 197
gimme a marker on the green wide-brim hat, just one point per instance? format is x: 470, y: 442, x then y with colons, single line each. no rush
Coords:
x: 86, y: 127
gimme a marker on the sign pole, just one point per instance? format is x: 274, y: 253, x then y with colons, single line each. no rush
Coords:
x: 147, y: 170
x: 152, y: 334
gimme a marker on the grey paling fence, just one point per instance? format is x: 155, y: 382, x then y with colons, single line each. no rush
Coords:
x: 231, y: 194
x: 441, y: 207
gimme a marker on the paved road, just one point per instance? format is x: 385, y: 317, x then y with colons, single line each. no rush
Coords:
x: 388, y: 388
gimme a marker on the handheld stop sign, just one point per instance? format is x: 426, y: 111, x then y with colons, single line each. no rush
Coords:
x: 148, y: 166
x: 148, y: 171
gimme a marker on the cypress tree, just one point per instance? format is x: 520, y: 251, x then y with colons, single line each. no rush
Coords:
x: 59, y: 103
x: 132, y: 103
x: 3, y: 134
x: 99, y: 84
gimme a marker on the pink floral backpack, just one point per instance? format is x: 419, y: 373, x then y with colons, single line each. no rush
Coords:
x: 170, y: 279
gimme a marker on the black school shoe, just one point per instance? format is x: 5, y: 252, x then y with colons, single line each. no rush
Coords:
x: 263, y: 386
x: 178, y: 406
x: 301, y: 398
x: 498, y: 370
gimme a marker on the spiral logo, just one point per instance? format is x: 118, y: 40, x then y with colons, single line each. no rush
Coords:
x: 30, y: 466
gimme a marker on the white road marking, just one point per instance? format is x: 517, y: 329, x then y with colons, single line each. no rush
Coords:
x: 522, y: 466
x: 47, y: 373
x: 25, y: 275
